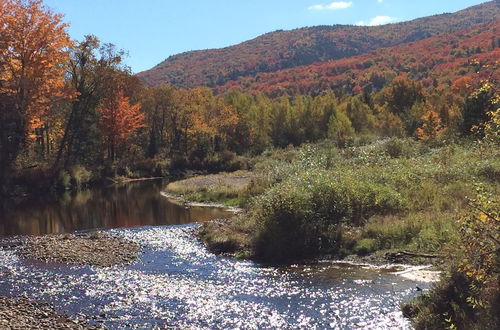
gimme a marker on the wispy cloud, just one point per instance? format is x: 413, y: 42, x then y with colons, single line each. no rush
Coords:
x: 380, y: 1
x: 377, y: 20
x: 332, y: 6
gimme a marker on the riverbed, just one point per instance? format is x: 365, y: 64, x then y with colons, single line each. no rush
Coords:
x: 176, y: 282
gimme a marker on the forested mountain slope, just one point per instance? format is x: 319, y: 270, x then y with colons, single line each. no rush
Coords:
x: 436, y: 60
x: 286, y: 49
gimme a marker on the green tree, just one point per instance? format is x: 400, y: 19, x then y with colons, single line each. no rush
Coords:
x: 94, y: 71
x: 340, y: 127
x: 360, y: 115
x: 477, y: 105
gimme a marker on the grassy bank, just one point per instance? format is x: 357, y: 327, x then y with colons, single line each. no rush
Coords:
x: 226, y: 188
x: 390, y: 194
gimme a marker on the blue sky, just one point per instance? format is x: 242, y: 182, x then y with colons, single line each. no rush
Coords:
x: 151, y: 30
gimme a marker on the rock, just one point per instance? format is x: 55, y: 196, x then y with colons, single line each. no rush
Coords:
x: 85, y: 249
x: 21, y: 313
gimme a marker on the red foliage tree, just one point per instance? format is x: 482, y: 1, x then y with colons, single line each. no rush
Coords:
x: 119, y: 119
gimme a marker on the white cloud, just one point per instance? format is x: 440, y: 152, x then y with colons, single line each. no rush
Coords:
x: 380, y: 1
x: 377, y: 20
x: 332, y: 6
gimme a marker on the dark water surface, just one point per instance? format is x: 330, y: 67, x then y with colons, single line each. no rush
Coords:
x: 177, y: 283
x: 129, y: 205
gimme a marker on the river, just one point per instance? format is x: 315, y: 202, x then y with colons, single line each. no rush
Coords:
x: 177, y: 283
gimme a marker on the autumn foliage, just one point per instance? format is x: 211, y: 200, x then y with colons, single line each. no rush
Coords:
x: 61, y: 101
x: 33, y: 51
x: 119, y: 120
x: 463, y: 57
x: 309, y: 46
x: 431, y: 127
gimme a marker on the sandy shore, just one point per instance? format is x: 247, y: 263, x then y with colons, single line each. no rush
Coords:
x: 184, y: 202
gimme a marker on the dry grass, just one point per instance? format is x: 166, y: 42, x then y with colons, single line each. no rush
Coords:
x: 227, y: 188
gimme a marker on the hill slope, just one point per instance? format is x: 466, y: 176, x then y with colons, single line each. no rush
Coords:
x: 472, y: 52
x: 285, y: 49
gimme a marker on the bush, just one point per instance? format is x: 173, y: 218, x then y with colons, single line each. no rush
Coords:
x: 64, y: 179
x: 80, y: 175
x: 398, y: 147
x: 153, y: 167
x: 448, y: 306
x: 303, y: 215
x: 178, y: 163
x: 365, y: 246
x: 469, y: 298
x: 305, y: 200
x: 420, y: 231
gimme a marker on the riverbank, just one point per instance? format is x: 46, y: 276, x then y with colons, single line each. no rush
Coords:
x: 227, y: 189
x: 22, y: 313
x: 176, y: 199
x: 390, y: 195
x: 95, y: 249
x: 405, y: 199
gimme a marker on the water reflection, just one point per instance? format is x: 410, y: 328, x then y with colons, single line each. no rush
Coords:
x: 129, y: 205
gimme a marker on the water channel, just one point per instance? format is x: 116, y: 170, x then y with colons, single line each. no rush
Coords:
x: 177, y: 283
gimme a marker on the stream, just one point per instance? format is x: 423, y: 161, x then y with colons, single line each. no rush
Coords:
x: 177, y: 283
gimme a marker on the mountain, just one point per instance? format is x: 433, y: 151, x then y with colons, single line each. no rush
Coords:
x: 287, y: 49
x: 441, y: 59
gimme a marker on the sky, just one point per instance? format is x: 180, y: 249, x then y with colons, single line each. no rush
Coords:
x: 152, y: 30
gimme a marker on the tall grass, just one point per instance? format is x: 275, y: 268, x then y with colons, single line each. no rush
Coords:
x: 395, y: 193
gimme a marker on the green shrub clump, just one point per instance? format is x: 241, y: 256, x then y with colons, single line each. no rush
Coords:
x: 391, y: 194
x: 304, y: 215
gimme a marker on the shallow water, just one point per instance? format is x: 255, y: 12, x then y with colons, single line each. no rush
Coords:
x: 177, y: 283
x: 133, y: 204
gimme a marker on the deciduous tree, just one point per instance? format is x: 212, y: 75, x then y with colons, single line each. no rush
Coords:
x: 119, y: 120
x: 33, y: 50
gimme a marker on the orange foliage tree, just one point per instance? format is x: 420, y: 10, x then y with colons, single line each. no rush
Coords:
x: 431, y: 126
x: 33, y: 49
x: 119, y: 120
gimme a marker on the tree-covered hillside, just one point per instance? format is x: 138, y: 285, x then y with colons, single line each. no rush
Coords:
x: 438, y: 60
x: 286, y: 49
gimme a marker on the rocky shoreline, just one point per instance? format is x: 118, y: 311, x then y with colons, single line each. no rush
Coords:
x: 94, y: 249
x: 22, y: 313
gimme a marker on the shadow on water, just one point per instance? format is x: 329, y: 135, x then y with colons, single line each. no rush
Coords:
x: 134, y: 204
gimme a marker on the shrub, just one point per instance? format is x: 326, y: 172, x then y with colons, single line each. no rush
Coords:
x: 156, y: 167
x: 303, y: 215
x: 469, y: 298
x: 178, y: 163
x: 365, y: 246
x: 398, y: 147
x: 490, y: 170
x: 449, y: 306
x: 422, y: 231
x: 399, y: 192
x: 64, y: 179
x: 80, y: 175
